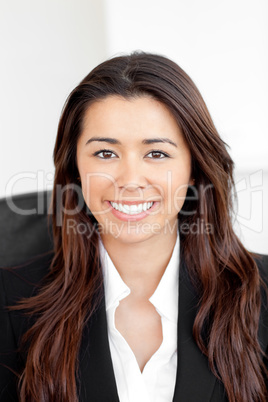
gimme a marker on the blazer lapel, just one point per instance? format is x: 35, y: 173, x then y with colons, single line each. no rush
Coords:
x: 97, y: 380
x: 195, y: 382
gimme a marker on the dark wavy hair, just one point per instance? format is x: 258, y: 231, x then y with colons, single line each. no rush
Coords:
x: 222, y: 270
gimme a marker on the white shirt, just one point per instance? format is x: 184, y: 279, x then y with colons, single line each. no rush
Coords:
x: 157, y: 381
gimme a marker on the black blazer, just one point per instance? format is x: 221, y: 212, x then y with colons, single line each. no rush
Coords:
x: 195, y: 382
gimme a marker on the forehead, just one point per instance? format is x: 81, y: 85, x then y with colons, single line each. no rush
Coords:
x: 140, y: 116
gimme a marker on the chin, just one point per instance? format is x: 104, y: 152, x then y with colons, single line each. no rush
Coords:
x: 129, y: 233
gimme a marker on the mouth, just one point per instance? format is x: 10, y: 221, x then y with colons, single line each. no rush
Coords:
x: 131, y: 208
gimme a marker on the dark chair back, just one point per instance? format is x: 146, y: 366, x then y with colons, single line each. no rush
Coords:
x: 25, y: 229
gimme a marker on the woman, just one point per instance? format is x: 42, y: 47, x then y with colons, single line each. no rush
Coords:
x: 141, y: 219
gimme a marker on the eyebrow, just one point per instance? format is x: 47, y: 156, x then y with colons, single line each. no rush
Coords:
x: 117, y: 142
x: 156, y: 140
x: 103, y: 139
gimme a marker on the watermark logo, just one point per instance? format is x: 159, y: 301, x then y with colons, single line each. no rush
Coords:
x: 249, y: 191
x: 87, y: 229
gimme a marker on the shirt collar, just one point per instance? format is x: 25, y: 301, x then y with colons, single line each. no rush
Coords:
x: 114, y: 286
x: 165, y: 297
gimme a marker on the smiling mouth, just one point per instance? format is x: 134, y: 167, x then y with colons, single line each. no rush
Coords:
x: 132, y: 209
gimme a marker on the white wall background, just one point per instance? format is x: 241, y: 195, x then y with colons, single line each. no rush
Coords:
x: 48, y: 46
x: 222, y: 45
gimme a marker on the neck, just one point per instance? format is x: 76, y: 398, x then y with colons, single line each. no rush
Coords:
x: 141, y: 265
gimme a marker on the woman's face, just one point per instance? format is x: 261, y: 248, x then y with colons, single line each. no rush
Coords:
x: 135, y: 168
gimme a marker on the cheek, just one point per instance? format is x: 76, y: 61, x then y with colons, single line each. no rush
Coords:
x: 91, y: 189
x: 97, y: 187
x: 177, y: 190
x: 179, y: 196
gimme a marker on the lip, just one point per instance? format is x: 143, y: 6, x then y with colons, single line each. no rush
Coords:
x: 137, y: 217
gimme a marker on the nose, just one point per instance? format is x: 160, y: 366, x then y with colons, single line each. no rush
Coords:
x: 131, y: 175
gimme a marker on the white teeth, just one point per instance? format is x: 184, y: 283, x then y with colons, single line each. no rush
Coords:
x: 132, y: 209
x: 125, y: 209
x: 135, y: 209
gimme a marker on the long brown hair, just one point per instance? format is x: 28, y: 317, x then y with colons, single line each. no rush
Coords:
x: 223, y: 271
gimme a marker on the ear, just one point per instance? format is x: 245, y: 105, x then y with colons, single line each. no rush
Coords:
x: 192, y: 182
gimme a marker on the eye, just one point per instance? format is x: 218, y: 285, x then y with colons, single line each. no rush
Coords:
x: 157, y: 155
x: 105, y: 154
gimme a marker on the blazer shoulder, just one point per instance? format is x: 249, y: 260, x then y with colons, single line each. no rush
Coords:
x: 16, y: 283
x: 262, y: 263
